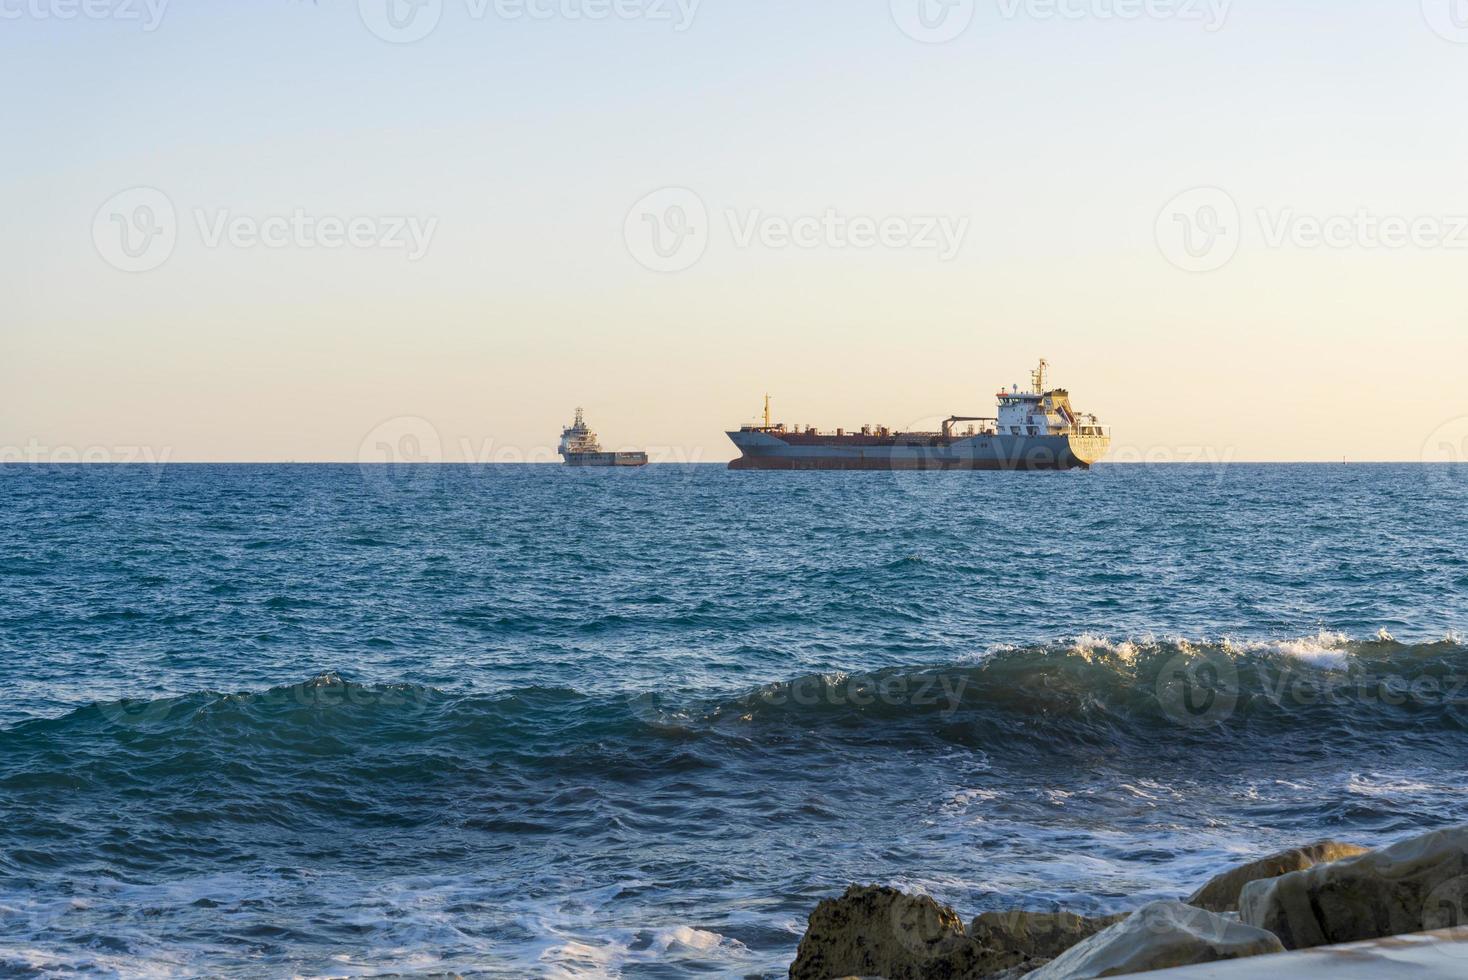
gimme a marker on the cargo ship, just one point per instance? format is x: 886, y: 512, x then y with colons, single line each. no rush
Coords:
x: 1031, y: 430
x: 579, y: 447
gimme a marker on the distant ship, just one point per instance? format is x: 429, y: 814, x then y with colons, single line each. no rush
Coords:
x: 580, y: 448
x: 1033, y: 430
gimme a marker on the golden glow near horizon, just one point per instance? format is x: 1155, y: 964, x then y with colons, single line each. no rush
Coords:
x: 299, y: 233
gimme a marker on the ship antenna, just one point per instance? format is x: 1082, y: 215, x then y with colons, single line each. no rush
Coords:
x: 767, y: 411
x: 1038, y: 376
x: 580, y: 418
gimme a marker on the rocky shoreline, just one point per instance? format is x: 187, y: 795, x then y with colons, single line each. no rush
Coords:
x: 1318, y: 895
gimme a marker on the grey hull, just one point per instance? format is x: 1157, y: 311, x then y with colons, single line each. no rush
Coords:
x: 606, y: 459
x: 768, y: 451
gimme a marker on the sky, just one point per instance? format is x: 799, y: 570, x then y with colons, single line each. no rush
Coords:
x: 349, y: 231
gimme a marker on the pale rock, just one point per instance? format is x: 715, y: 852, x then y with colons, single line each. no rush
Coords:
x: 1415, y: 885
x: 1156, y: 937
x: 1221, y: 894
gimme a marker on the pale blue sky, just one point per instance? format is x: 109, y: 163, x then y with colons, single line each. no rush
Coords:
x: 1058, y: 142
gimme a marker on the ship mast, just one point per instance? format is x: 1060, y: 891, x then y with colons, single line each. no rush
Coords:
x: 1038, y: 376
x: 767, y: 412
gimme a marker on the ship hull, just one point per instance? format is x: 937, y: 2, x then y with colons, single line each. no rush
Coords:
x: 606, y: 459
x: 770, y: 451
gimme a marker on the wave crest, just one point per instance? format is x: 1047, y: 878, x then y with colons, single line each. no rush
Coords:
x: 1090, y: 690
x: 1101, y: 691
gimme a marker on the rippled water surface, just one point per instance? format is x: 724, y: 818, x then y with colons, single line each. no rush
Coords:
x: 525, y: 722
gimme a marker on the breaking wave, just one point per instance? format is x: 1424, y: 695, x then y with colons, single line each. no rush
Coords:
x: 332, y: 765
x: 1087, y: 691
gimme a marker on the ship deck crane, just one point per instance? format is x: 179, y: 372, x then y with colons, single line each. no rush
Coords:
x: 949, y: 422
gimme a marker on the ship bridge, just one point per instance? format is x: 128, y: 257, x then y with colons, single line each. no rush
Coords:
x: 1041, y: 412
x: 578, y: 437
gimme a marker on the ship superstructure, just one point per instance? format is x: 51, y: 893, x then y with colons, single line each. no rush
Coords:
x: 1037, y: 429
x: 580, y: 447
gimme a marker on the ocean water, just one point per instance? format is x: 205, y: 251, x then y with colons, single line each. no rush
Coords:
x: 533, y: 722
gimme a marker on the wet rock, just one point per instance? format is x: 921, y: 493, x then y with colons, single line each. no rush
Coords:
x: 881, y: 932
x: 1156, y: 937
x: 1222, y: 893
x: 1035, y: 937
x: 1413, y: 886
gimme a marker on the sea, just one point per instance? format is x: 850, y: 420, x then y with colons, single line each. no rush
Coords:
x: 526, y: 721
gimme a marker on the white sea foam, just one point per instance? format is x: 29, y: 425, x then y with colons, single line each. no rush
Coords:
x: 1327, y: 649
x: 1289, y: 785
x: 1090, y: 645
x: 1380, y: 787
x: 575, y: 959
x: 1146, y: 789
x: 988, y: 653
x: 576, y: 938
x: 961, y: 803
x: 32, y: 959
x: 967, y: 796
x: 610, y: 954
x: 686, y: 937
